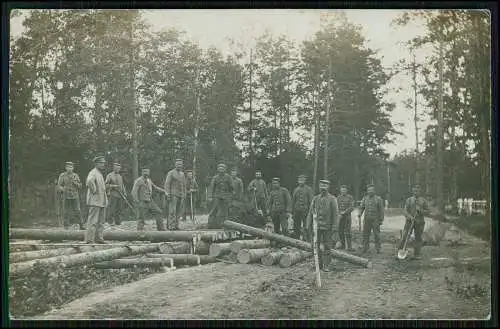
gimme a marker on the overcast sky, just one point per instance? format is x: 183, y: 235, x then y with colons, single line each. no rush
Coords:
x: 216, y: 27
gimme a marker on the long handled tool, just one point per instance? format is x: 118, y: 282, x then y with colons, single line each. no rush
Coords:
x: 126, y: 201
x: 315, y: 249
x: 193, y: 217
x: 403, y: 252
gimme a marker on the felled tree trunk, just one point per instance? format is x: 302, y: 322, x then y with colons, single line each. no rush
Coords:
x: 175, y: 248
x: 236, y: 246
x: 246, y: 256
x: 136, y: 262
x: 272, y: 258
x: 293, y: 257
x: 83, y: 258
x: 202, y: 248
x: 219, y: 249
x: 179, y: 259
x: 16, y: 257
x: 205, y: 259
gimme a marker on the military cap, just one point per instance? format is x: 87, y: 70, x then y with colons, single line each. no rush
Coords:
x: 302, y: 176
x: 258, y: 171
x: 370, y: 185
x: 188, y: 171
x: 324, y: 181
x: 234, y: 169
x: 276, y: 179
x: 117, y: 164
x: 99, y: 158
x: 221, y: 165
x: 343, y: 186
x: 179, y: 160
x: 69, y: 163
x: 145, y: 168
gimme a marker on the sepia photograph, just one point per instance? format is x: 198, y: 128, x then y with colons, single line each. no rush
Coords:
x: 176, y: 164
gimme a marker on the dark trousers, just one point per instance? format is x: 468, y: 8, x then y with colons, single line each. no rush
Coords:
x: 280, y: 222
x: 299, y: 223
x: 325, y: 239
x: 261, y: 202
x: 72, y: 213
x: 418, y: 229
x: 370, y: 225
x: 219, y: 211
x: 175, y: 209
x: 115, y: 208
x: 345, y: 230
x: 145, y: 208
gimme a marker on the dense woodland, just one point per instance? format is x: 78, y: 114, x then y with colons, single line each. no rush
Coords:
x: 82, y: 82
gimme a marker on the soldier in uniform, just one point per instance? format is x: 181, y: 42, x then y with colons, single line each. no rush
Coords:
x: 325, y: 207
x: 346, y: 206
x: 236, y: 207
x: 258, y: 192
x: 97, y: 201
x: 416, y: 208
x: 191, y: 189
x: 373, y: 207
x: 175, y: 192
x: 68, y: 185
x: 141, y: 194
x: 219, y: 195
x: 280, y: 207
x: 116, y: 192
x: 301, y: 200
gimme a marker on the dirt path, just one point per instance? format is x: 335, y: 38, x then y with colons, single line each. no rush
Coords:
x: 390, y: 289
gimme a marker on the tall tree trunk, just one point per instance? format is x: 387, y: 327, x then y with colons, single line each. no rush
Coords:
x: 316, y: 142
x: 439, y: 153
x: 133, y: 107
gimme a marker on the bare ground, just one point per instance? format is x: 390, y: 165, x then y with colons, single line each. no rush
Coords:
x: 391, y: 289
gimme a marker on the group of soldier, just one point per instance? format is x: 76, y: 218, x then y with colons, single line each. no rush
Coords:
x: 225, y: 194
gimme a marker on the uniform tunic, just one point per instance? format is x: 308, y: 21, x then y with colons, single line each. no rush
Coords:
x: 115, y: 199
x: 261, y: 194
x: 97, y: 202
x: 301, y: 200
x: 346, y: 206
x: 175, y: 186
x: 220, y: 191
x: 69, y: 184
x: 280, y: 204
x: 142, y: 195
x: 373, y: 206
x: 417, y: 208
x: 191, y: 188
x: 326, y: 208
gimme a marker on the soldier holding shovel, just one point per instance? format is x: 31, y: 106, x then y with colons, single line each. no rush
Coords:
x: 68, y: 185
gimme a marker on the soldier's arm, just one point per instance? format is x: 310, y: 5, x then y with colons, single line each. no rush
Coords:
x: 135, y: 189
x: 251, y: 186
x: 124, y: 190
x: 78, y: 183
x: 426, y: 209
x: 60, y: 183
x: 211, y: 187
x: 381, y: 209
x: 310, y: 195
x: 362, y: 207
x: 168, y: 183
x: 159, y: 189
x: 406, y: 209
x: 351, y: 208
x: 91, y: 183
x: 195, y: 185
x: 335, y: 217
x: 294, y: 197
x: 288, y: 201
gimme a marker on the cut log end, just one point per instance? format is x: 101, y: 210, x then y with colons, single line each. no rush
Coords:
x: 243, y: 256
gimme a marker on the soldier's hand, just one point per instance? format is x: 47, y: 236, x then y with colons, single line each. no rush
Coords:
x: 338, y: 245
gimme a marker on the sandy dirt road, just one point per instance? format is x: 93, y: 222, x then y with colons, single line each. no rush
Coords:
x: 390, y: 290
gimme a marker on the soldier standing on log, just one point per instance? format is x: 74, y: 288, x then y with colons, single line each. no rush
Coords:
x: 141, y: 194
x: 373, y: 207
x: 325, y: 207
x: 69, y: 184
x: 346, y: 206
x: 175, y: 192
x: 97, y: 202
x: 280, y: 207
x: 191, y: 189
x: 219, y: 195
x: 416, y: 208
x: 116, y: 191
x: 301, y: 199
x: 258, y: 193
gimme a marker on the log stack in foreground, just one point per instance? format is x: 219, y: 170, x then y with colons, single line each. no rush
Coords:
x: 136, y: 262
x: 246, y: 256
x: 293, y: 257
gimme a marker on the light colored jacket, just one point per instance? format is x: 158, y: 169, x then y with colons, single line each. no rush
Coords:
x: 96, y: 192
